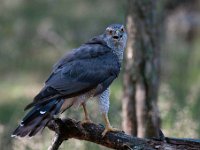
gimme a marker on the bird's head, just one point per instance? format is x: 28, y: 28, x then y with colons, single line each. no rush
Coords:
x: 116, y: 36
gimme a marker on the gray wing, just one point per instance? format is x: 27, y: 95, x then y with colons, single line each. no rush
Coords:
x: 85, y: 68
x: 93, y: 48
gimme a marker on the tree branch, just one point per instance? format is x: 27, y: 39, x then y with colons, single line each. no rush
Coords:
x: 69, y: 128
x: 57, y: 141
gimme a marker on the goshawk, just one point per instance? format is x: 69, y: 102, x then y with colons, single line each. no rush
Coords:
x: 83, y: 73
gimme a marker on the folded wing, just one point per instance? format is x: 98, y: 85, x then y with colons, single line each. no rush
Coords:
x: 83, y: 69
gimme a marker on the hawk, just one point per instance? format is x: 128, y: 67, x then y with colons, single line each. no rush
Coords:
x: 85, y: 72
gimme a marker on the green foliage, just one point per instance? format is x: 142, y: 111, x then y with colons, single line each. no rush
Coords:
x: 181, y: 98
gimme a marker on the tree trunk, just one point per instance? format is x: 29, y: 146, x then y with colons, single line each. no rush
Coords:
x: 141, y: 78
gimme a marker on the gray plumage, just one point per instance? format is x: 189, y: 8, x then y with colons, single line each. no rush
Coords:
x: 85, y: 72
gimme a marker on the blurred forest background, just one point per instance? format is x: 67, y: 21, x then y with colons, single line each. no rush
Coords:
x: 34, y: 34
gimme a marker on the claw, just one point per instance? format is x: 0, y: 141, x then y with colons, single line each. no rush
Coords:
x: 109, y: 129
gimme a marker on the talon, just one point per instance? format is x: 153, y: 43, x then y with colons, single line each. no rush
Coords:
x: 109, y: 129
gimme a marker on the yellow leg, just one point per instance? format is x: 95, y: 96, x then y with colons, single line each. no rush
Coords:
x: 108, y: 127
x: 87, y: 118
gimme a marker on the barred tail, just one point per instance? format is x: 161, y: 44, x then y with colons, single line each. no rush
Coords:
x: 36, y: 119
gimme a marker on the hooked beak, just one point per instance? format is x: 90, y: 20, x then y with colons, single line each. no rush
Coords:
x: 117, y: 35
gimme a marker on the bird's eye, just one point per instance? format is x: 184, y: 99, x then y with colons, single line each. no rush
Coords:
x: 110, y: 32
x: 122, y: 29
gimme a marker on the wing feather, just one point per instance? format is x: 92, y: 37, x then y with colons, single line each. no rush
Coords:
x: 83, y: 69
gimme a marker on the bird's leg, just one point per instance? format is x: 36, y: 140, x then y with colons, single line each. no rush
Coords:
x: 87, y: 118
x: 108, y: 127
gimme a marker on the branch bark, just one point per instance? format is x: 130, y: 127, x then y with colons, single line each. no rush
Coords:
x: 57, y: 141
x: 69, y: 128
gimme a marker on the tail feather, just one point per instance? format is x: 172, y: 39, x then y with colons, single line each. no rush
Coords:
x: 39, y: 127
x: 45, y: 121
x: 38, y: 110
x: 36, y: 120
x: 44, y: 95
x: 22, y: 131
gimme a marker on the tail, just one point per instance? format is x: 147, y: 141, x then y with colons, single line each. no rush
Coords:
x: 37, y: 118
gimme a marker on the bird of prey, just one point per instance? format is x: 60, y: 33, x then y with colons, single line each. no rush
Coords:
x: 85, y: 72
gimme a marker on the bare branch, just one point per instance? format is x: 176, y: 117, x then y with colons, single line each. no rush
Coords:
x: 57, y: 141
x: 69, y: 128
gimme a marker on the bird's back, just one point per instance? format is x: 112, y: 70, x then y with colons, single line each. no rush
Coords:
x: 80, y: 71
